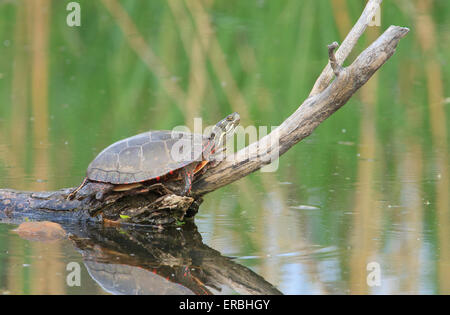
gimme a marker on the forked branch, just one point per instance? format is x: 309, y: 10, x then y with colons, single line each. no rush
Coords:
x: 308, y: 116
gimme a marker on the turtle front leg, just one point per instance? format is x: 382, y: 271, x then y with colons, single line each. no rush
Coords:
x: 101, y: 190
x: 187, y: 174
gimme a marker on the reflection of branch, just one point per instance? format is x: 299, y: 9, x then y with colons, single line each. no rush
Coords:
x: 172, y: 262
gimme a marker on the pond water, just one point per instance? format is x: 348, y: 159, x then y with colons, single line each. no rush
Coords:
x: 359, y: 207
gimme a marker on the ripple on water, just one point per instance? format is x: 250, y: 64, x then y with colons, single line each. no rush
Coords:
x: 302, y: 254
x: 304, y: 207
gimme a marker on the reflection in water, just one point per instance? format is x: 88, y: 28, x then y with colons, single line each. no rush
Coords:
x: 366, y: 217
x: 428, y: 39
x: 173, y: 261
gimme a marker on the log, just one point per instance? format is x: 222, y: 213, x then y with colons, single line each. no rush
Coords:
x: 152, y: 208
x: 163, y: 206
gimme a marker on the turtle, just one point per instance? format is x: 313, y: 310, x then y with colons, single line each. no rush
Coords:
x: 156, y: 156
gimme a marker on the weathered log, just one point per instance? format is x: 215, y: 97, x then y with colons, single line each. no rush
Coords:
x: 152, y: 208
x: 163, y: 206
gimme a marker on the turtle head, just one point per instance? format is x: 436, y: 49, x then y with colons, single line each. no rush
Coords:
x: 224, y: 128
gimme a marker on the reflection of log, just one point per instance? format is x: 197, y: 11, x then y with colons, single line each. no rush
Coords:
x: 146, y: 261
x: 324, y: 100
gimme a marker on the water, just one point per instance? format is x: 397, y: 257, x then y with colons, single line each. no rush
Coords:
x: 368, y: 188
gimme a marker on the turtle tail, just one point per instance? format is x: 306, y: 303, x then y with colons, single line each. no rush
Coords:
x: 74, y: 193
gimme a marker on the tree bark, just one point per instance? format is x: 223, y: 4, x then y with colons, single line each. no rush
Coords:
x: 161, y: 207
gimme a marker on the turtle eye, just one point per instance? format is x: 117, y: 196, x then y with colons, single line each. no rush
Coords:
x: 229, y: 118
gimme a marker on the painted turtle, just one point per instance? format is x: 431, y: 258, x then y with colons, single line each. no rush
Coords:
x: 156, y: 156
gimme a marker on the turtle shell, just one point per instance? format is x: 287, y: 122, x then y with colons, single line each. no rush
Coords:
x: 146, y: 156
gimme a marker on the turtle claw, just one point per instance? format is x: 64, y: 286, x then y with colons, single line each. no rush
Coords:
x: 99, y: 195
x: 188, y: 176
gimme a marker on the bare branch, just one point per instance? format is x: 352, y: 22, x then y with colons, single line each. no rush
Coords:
x: 347, y: 45
x: 306, y: 118
x: 334, y: 64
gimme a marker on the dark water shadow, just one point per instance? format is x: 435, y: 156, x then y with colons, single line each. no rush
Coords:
x: 173, y: 261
